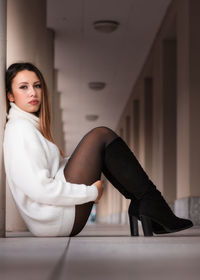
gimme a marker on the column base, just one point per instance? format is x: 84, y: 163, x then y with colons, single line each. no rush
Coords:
x: 188, y: 208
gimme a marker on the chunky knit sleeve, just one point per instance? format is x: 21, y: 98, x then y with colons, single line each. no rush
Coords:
x: 27, y: 167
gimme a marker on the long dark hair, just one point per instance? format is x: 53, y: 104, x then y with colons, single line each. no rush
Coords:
x: 44, y: 112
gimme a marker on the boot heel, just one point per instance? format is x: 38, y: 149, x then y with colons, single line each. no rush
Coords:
x: 133, y: 225
x: 146, y: 225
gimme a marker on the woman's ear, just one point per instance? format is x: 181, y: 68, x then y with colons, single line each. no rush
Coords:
x: 11, y: 97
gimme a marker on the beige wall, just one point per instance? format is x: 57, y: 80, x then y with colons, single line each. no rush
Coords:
x: 2, y: 111
x: 28, y: 40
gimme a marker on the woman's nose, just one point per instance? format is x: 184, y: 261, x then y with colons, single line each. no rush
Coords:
x: 32, y: 92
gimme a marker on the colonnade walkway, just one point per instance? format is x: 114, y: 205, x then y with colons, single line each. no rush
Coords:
x: 101, y: 252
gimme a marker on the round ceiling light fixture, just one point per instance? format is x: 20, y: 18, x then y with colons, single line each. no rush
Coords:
x: 96, y: 85
x: 91, y: 117
x: 106, y: 26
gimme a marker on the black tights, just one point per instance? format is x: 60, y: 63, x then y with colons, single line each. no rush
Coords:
x: 85, y: 167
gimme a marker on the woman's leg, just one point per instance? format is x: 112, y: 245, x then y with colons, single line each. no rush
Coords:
x: 85, y: 166
x: 121, y: 164
x: 102, y: 150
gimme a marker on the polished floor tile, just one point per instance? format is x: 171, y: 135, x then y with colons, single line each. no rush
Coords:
x: 101, y: 252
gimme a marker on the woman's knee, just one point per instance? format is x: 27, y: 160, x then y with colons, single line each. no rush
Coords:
x: 103, y: 130
x: 104, y: 133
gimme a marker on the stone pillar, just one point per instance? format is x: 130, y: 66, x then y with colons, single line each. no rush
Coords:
x: 128, y: 130
x: 2, y: 111
x: 188, y: 154
x: 148, y: 123
x: 136, y: 127
x: 169, y: 119
x: 125, y: 202
x: 44, y: 59
x: 58, y: 127
x: 28, y: 40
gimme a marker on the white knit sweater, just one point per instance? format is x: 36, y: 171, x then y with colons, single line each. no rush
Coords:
x: 34, y: 169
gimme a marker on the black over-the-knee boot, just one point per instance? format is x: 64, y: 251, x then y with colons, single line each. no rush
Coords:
x: 133, y: 207
x: 124, y: 171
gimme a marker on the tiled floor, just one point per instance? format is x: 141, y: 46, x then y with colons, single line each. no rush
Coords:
x: 101, y: 252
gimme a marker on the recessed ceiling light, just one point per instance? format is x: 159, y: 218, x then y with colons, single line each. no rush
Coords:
x: 106, y: 26
x: 97, y: 85
x: 91, y: 117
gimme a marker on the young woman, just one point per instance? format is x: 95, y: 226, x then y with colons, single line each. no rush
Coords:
x: 54, y: 193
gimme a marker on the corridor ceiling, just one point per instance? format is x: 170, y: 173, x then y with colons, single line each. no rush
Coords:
x: 84, y: 55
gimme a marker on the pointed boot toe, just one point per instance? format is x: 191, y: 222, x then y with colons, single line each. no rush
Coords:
x: 154, y: 209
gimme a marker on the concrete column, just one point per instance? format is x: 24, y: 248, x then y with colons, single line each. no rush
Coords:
x: 117, y: 206
x: 28, y: 40
x: 188, y: 153
x: 2, y: 111
x: 148, y: 123
x: 169, y: 120
x: 125, y: 202
x: 110, y: 204
x: 157, y: 154
x: 136, y: 127
x: 128, y: 120
x: 26, y: 23
x: 102, y: 207
x: 121, y: 133
x: 44, y: 58
x: 58, y: 131
x: 58, y: 122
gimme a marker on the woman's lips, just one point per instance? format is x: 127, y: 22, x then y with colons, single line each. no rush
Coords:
x: 34, y: 102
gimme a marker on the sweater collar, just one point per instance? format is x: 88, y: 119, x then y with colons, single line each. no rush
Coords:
x: 16, y: 112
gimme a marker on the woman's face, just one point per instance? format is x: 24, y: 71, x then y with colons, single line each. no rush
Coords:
x: 26, y: 91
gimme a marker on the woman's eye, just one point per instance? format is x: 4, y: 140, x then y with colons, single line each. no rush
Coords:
x: 23, y: 87
x: 38, y: 86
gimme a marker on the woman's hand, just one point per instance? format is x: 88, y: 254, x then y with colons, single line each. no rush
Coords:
x: 99, y: 185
